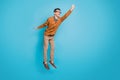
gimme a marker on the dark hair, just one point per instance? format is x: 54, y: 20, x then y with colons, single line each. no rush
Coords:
x: 56, y: 9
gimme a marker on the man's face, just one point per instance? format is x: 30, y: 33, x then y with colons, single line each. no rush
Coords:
x: 57, y: 13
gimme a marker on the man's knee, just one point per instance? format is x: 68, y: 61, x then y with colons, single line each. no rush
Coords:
x: 45, y: 47
x: 52, y: 47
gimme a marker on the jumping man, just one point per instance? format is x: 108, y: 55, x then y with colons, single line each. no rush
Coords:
x: 52, y: 24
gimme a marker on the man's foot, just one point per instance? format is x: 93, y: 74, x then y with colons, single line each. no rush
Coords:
x: 52, y: 64
x: 46, y: 66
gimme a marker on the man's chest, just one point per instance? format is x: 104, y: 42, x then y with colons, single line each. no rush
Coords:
x: 54, y: 22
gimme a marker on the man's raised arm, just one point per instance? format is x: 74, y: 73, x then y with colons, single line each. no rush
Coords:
x: 68, y: 13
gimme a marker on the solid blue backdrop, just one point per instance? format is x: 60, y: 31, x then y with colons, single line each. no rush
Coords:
x: 87, y: 43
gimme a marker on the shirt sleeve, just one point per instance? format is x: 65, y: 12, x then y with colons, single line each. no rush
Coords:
x: 66, y: 15
x: 43, y: 25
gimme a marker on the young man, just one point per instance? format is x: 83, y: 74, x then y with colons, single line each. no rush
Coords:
x: 53, y: 24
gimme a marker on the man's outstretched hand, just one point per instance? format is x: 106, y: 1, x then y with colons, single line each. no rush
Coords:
x: 72, y: 7
x: 35, y: 28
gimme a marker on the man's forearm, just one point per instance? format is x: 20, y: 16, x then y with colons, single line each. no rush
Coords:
x: 43, y: 25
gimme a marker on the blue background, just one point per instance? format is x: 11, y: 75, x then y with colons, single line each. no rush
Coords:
x: 87, y: 44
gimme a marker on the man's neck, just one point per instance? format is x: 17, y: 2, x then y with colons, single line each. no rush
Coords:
x: 56, y: 17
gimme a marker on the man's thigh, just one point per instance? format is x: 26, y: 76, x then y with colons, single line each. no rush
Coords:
x: 46, y: 40
x: 51, y: 41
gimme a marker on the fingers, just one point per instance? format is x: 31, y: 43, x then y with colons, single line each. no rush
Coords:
x: 73, y: 6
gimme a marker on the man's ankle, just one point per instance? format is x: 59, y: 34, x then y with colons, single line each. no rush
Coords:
x: 45, y: 62
x: 51, y: 61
